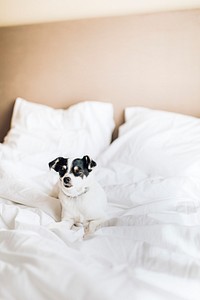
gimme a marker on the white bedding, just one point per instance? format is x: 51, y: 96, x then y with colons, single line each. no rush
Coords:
x: 148, y: 249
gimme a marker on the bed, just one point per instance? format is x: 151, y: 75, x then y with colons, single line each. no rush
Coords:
x: 145, y: 139
x: 148, y: 248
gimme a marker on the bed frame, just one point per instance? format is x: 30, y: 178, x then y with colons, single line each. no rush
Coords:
x: 148, y: 60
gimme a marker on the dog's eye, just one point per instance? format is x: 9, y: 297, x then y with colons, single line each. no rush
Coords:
x: 77, y: 171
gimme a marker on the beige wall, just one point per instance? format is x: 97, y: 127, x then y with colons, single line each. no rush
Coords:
x: 15, y: 12
x: 150, y: 60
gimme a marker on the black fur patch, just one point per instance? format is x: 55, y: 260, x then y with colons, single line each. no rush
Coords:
x: 80, y: 166
x: 59, y: 165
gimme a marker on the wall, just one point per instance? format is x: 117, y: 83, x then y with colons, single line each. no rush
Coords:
x: 18, y: 12
x: 151, y: 60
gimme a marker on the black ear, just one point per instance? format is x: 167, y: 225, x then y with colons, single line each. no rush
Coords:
x: 53, y: 163
x: 89, y: 163
x: 57, y: 163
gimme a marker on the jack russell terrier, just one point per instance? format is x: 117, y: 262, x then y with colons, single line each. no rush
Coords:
x: 82, y: 199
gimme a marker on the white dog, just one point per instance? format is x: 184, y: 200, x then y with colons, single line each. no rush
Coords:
x: 83, y: 200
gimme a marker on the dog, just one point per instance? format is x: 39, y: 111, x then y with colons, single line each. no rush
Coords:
x: 83, y: 200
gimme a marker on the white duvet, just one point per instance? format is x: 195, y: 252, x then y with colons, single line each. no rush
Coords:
x: 148, y: 249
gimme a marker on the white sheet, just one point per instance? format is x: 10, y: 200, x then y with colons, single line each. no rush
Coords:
x: 148, y: 249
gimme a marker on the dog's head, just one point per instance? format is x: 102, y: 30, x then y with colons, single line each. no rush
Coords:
x: 73, y: 172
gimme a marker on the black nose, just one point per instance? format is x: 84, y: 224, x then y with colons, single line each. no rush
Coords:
x: 66, y: 180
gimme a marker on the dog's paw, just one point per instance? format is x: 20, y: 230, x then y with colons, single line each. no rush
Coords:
x: 87, y: 229
x: 59, y: 225
x: 90, y: 228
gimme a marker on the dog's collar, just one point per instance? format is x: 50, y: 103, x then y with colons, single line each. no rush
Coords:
x: 86, y: 189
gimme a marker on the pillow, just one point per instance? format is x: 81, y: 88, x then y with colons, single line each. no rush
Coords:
x: 84, y: 128
x: 155, y: 160
x: 161, y: 143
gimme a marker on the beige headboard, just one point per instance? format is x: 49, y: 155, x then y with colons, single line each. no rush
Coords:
x: 148, y: 60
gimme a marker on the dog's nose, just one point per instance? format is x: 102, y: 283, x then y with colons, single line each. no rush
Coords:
x: 66, y: 180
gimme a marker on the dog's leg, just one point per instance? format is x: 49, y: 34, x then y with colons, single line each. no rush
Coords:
x: 93, y: 225
x: 68, y: 224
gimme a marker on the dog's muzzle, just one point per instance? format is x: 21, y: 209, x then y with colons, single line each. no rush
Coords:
x: 67, y: 182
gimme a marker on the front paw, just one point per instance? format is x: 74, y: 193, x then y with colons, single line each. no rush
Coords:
x: 60, y: 225
x: 89, y: 228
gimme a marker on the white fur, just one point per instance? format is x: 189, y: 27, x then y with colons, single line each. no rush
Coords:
x: 88, y: 208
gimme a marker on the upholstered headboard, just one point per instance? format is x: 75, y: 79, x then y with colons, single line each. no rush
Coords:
x: 147, y: 60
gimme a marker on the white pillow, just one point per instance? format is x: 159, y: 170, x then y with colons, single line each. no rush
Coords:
x: 161, y: 143
x: 84, y: 128
x: 156, y: 159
